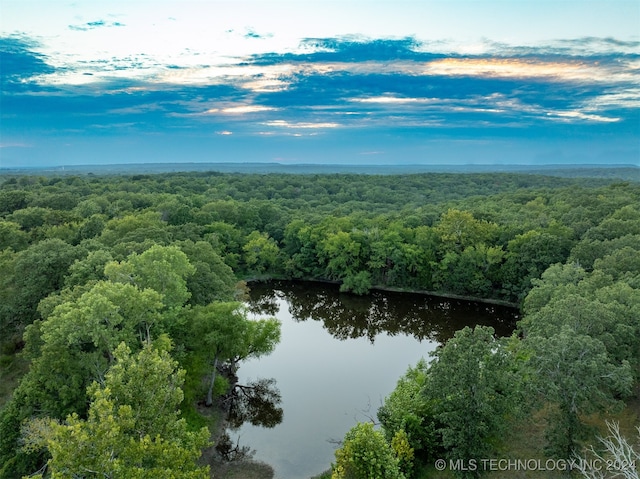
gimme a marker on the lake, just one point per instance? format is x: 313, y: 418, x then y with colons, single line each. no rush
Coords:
x: 339, y: 356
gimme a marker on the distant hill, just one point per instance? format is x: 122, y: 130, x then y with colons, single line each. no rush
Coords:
x: 622, y: 172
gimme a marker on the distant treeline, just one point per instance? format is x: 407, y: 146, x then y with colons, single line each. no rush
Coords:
x: 621, y: 172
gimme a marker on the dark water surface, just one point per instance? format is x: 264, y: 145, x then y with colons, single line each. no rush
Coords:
x: 340, y: 355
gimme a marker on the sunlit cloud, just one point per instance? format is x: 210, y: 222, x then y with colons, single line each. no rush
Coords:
x: 626, y: 98
x: 518, y: 68
x: 391, y: 100
x: 301, y: 125
x: 241, y: 109
x: 571, y: 115
x: 266, y: 85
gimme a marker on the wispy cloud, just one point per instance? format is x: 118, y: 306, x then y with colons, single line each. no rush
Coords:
x: 301, y: 125
x: 240, y: 109
x: 83, y: 27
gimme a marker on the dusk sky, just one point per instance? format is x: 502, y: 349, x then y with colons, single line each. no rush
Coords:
x: 314, y: 81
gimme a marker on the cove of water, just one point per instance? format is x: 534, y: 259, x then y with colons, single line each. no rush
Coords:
x: 339, y: 356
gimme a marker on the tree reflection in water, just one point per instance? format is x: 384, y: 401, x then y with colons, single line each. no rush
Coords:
x: 347, y: 316
x: 257, y: 403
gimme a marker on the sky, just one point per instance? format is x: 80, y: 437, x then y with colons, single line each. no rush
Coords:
x: 441, y: 82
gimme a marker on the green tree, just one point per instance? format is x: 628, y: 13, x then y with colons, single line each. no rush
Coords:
x: 161, y: 268
x: 470, y: 272
x: 133, y: 429
x: 459, y: 229
x: 358, y: 283
x: 11, y: 236
x: 212, y: 280
x: 598, y: 315
x: 408, y: 409
x: 12, y: 200
x: 555, y: 282
x: 577, y: 377
x: 135, y: 228
x: 88, y: 269
x: 622, y: 264
x: 260, y: 252
x: 29, y: 218
x: 341, y: 253
x: 365, y: 454
x: 35, y: 272
x: 529, y: 255
x: 222, y: 332
x: 472, y: 383
x: 75, y: 344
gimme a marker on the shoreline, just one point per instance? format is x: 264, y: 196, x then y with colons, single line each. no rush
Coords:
x: 391, y: 289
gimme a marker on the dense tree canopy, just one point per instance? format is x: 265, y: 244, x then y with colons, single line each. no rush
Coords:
x: 132, y: 430
x: 90, y: 262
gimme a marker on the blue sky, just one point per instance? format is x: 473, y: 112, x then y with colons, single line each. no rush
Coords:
x: 305, y: 81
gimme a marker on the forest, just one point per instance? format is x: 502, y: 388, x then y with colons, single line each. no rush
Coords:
x: 122, y: 317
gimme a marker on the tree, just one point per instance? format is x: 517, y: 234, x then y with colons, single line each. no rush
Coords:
x: 619, y: 458
x: 11, y: 236
x: 218, y: 330
x: 469, y: 272
x: 408, y: 409
x: 555, y: 282
x: 161, y: 268
x: 212, y: 280
x: 342, y: 254
x: 223, y: 333
x: 88, y: 269
x: 623, y: 263
x: 365, y: 454
x: 30, y: 218
x: 260, y: 338
x: 260, y: 252
x: 591, y: 304
x: 36, y: 272
x: 473, y: 386
x: 576, y: 376
x: 133, y: 429
x: 12, y: 200
x: 358, y: 283
x: 75, y: 345
x: 529, y: 255
x: 459, y: 229
x: 136, y: 228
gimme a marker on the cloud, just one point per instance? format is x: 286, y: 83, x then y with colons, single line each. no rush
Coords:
x: 93, y: 25
x: 349, y: 49
x: 240, y: 109
x: 336, y: 89
x: 21, y: 62
x: 252, y: 34
x: 301, y: 125
x: 14, y: 145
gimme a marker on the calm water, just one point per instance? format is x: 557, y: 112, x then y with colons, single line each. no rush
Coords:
x: 339, y: 357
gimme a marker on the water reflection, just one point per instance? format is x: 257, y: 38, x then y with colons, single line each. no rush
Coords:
x: 347, y: 316
x: 340, y: 355
x: 256, y: 403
